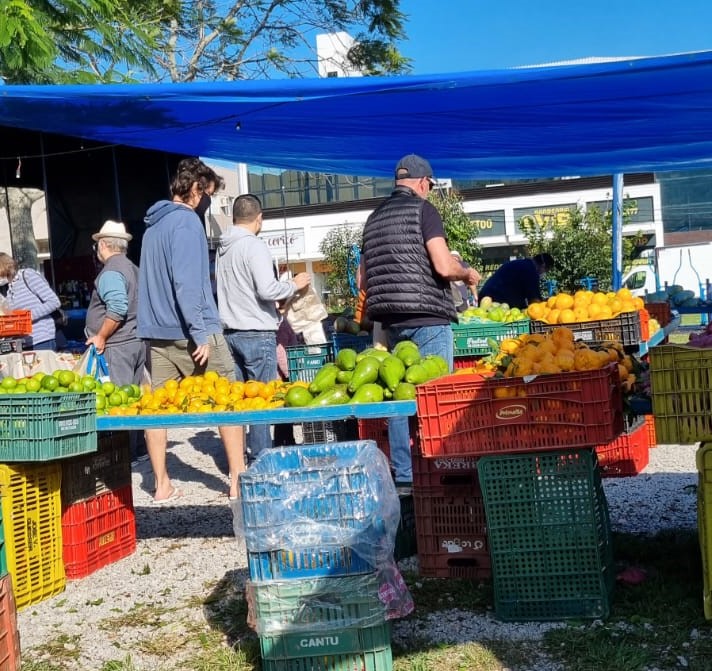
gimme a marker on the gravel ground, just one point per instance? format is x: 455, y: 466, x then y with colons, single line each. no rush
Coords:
x: 184, y: 550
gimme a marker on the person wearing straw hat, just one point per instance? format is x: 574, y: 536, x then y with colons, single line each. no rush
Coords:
x: 111, y: 315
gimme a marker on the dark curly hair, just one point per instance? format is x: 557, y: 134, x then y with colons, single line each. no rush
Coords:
x: 190, y: 171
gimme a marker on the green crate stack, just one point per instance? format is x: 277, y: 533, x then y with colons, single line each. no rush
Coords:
x: 339, y: 622
x: 704, y: 522
x: 549, y: 535
x: 472, y: 339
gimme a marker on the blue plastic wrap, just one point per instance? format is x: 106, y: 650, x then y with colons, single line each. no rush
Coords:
x: 328, y: 509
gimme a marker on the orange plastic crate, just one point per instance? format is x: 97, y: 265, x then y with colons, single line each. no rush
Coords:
x: 644, y: 325
x: 461, y: 415
x: 9, y: 638
x: 98, y: 532
x: 650, y: 426
x: 626, y: 455
x: 16, y: 323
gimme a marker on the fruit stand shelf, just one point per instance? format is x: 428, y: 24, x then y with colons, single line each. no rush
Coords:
x: 274, y: 416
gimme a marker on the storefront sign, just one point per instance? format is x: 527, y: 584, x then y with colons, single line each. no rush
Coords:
x: 489, y: 223
x: 546, y: 216
x: 635, y: 210
x: 283, y: 244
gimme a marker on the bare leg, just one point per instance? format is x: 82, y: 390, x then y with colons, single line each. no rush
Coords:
x: 233, y: 438
x: 156, y: 443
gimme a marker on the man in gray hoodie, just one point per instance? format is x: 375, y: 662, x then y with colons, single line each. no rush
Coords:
x: 177, y: 312
x: 247, y: 299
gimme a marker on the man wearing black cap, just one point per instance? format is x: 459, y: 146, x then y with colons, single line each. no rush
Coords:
x: 406, y: 269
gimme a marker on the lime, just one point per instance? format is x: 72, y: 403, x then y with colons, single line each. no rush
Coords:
x: 108, y: 388
x: 124, y: 397
x: 65, y: 377
x: 115, y: 398
x: 20, y: 389
x: 49, y: 382
x: 88, y: 382
x: 135, y: 391
x: 100, y: 401
x: 33, y: 384
x: 76, y: 387
x: 39, y: 375
x: 8, y: 382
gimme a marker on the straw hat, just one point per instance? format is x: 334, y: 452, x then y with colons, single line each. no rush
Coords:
x: 112, y: 229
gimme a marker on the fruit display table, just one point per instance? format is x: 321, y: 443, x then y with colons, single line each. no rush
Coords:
x: 272, y: 416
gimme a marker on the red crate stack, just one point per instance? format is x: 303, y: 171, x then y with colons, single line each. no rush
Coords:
x: 9, y: 636
x: 626, y: 455
x: 376, y: 430
x: 450, y: 518
x: 98, y: 531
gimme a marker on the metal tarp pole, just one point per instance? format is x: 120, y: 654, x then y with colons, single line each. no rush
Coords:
x: 617, y: 230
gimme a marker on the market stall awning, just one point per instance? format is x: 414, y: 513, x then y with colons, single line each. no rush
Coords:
x: 633, y: 115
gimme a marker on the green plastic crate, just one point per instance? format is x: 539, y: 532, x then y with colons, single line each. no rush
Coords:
x: 42, y: 427
x: 304, y: 361
x: 314, y: 605
x: 363, y: 649
x: 549, y: 535
x: 681, y: 393
x: 704, y: 522
x: 471, y: 339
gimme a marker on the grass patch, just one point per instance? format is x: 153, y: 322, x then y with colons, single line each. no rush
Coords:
x: 657, y: 624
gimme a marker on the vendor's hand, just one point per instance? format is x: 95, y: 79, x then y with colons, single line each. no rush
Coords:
x: 302, y: 280
x: 473, y: 278
x: 98, y: 341
x: 201, y: 354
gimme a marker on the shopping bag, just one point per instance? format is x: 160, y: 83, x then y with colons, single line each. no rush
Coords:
x: 93, y: 364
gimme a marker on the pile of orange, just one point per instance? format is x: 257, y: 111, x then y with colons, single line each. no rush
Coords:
x: 209, y: 392
x: 584, y: 306
x: 557, y: 352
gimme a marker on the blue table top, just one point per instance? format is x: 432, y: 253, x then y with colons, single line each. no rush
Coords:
x: 273, y: 416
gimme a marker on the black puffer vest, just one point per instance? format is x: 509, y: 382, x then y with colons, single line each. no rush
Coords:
x: 399, y: 276
x: 97, y: 310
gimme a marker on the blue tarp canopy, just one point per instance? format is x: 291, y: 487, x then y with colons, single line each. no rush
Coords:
x: 633, y: 115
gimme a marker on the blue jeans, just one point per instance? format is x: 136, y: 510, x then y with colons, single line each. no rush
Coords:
x: 255, y: 355
x: 430, y: 340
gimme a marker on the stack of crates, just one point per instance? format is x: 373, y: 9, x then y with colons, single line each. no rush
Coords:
x: 9, y: 637
x: 549, y: 535
x: 629, y: 453
x: 319, y: 525
x: 98, y: 518
x: 508, y: 466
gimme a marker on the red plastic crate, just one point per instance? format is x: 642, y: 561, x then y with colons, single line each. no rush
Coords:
x: 17, y: 323
x: 626, y: 455
x: 660, y: 312
x: 461, y: 362
x: 443, y: 471
x: 650, y: 425
x: 98, y: 531
x: 376, y: 430
x: 461, y: 415
x: 9, y: 637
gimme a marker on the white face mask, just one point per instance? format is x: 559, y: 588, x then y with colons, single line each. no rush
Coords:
x: 4, y: 281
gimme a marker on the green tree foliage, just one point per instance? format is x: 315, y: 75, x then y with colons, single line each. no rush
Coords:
x: 229, y: 40
x: 86, y: 41
x: 80, y: 41
x: 460, y: 230
x: 336, y: 247
x: 582, y: 247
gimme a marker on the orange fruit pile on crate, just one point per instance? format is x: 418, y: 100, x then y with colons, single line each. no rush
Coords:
x: 584, y: 305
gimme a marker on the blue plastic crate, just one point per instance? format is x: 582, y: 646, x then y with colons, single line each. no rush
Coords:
x: 317, y: 510
x: 354, y: 342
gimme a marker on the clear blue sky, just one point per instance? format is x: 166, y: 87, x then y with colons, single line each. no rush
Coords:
x: 462, y: 35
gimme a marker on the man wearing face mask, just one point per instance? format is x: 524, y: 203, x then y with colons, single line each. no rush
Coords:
x: 177, y: 312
